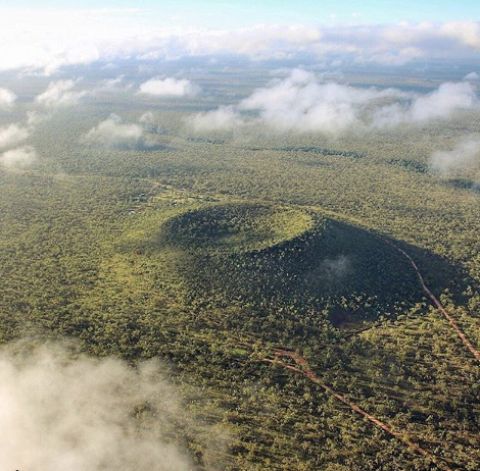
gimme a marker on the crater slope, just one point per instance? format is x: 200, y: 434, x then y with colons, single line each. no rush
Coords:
x: 284, y: 256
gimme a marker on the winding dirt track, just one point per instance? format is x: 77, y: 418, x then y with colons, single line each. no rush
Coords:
x: 304, y: 369
x: 436, y: 302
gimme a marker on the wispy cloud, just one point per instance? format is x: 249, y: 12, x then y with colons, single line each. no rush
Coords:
x: 12, y: 135
x: 114, y: 133
x: 149, y: 122
x: 169, y: 87
x: 19, y: 157
x: 224, y: 118
x: 463, y: 156
x: 65, y: 411
x: 60, y: 93
x: 113, y: 85
x: 440, y: 104
x: 336, y: 269
x: 472, y: 76
x: 7, y: 98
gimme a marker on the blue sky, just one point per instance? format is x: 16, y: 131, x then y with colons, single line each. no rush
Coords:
x: 233, y: 13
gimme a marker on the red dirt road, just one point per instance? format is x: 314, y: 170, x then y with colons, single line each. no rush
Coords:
x: 466, y: 342
x: 302, y: 367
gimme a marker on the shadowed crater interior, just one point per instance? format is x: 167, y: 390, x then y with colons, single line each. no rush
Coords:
x: 283, y: 256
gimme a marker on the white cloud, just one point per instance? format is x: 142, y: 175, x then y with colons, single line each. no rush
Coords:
x: 472, y: 76
x: 169, y: 87
x: 302, y: 103
x: 113, y: 85
x: 60, y: 93
x: 65, y: 411
x: 35, y: 117
x: 12, y: 135
x: 18, y: 158
x: 465, y: 32
x: 147, y: 118
x: 114, y: 133
x: 7, y: 98
x: 464, y: 155
x: 223, y: 118
x: 442, y: 103
x: 150, y: 123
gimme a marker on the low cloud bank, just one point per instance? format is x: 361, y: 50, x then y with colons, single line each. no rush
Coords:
x: 302, y: 103
x: 83, y: 36
x: 60, y: 411
x: 169, y: 87
x: 464, y: 155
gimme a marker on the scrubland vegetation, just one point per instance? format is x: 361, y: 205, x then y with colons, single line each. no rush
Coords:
x: 209, y: 252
